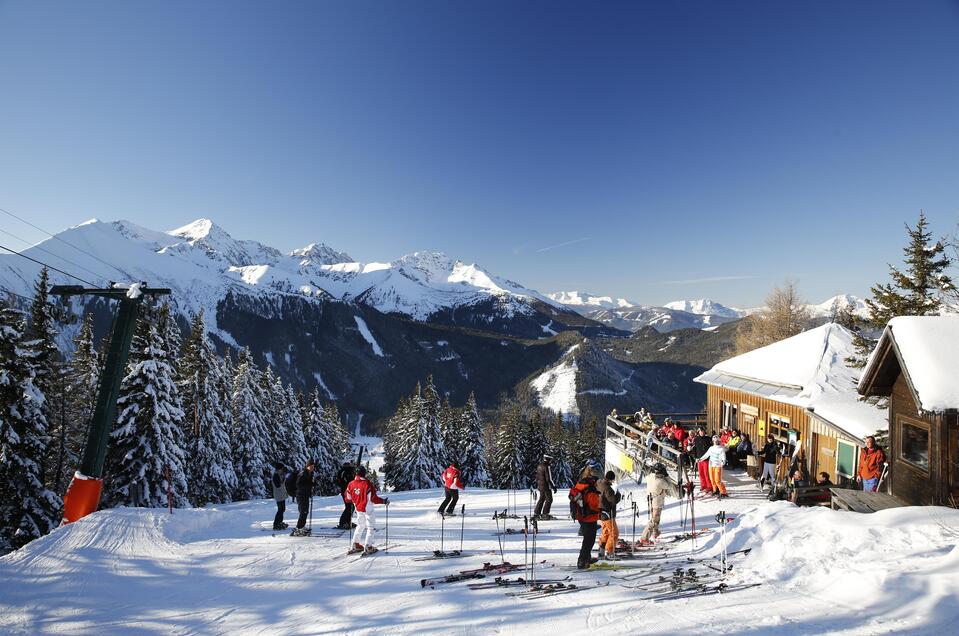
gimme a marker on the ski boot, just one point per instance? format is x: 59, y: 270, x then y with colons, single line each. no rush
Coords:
x: 602, y: 554
x: 370, y: 549
x: 301, y: 532
x: 356, y: 549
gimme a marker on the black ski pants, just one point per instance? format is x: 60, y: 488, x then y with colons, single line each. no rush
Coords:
x: 303, y: 503
x: 588, y: 529
x: 544, y: 502
x: 280, y: 509
x: 347, y: 517
x: 449, y: 503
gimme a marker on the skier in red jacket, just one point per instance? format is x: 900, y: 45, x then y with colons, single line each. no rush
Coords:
x: 362, y: 494
x: 453, y: 484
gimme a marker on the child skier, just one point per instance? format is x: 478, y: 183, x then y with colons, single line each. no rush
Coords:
x: 717, y: 459
x: 362, y: 494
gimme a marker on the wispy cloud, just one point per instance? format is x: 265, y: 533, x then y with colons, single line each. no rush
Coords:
x: 710, y: 279
x: 564, y: 244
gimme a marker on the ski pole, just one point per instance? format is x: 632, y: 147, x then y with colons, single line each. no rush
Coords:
x: 499, y: 537
x: 442, y: 530
x: 462, y: 525
x: 635, y: 513
x: 387, y: 523
x: 525, y: 541
x: 532, y: 565
x: 530, y: 503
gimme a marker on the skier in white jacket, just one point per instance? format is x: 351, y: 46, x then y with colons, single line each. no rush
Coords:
x: 717, y: 459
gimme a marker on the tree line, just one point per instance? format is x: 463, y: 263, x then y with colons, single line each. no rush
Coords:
x: 214, y: 424
x: 426, y: 434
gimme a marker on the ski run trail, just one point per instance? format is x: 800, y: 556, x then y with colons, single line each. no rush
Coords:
x: 218, y: 571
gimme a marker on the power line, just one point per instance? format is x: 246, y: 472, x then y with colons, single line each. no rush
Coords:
x: 57, y: 238
x: 13, y: 293
x: 65, y: 260
x: 29, y: 258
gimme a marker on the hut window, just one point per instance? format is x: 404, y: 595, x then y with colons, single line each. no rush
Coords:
x: 778, y: 425
x: 729, y: 415
x: 914, y: 442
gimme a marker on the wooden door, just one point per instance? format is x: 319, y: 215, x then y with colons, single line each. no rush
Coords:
x: 825, y: 456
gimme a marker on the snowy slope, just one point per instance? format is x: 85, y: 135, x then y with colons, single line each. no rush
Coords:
x: 213, y: 571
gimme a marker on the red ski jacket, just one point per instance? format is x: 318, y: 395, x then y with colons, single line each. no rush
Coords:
x: 451, y: 478
x: 360, y: 491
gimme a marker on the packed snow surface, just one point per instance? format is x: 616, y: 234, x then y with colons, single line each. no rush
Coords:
x: 218, y: 570
x: 556, y: 387
x: 929, y: 346
x: 368, y: 335
x: 814, y: 364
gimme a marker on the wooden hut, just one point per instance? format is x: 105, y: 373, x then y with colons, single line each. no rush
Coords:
x: 801, y: 391
x: 916, y: 365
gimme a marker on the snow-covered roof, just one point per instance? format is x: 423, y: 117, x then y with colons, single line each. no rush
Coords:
x: 927, y: 347
x: 807, y: 370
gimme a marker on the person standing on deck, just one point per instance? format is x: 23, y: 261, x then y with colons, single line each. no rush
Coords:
x: 716, y: 455
x: 871, y: 460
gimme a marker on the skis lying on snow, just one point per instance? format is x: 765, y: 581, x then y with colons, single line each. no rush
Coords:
x: 500, y: 581
x: 504, y: 515
x: 512, y: 531
x: 664, y: 566
x: 553, y: 589
x: 478, y: 573
x: 703, y: 590
x: 678, y: 580
x: 309, y: 533
x: 453, y: 554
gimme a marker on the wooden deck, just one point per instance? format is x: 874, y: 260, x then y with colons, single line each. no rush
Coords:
x: 865, y: 502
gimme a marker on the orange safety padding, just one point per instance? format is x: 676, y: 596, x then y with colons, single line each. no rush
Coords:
x: 82, y: 498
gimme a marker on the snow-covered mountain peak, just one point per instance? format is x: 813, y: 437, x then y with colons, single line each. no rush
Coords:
x: 830, y: 306
x: 321, y: 254
x: 588, y: 300
x: 704, y: 307
x: 197, y: 230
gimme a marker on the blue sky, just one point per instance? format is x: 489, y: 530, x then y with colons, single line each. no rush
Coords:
x: 649, y: 150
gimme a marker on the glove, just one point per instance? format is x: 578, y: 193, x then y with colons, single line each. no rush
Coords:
x: 554, y: 490
x: 386, y: 501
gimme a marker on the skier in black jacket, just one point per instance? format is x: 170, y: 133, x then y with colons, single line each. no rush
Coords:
x: 304, y: 493
x: 546, y: 488
x: 769, y: 455
x: 343, y: 479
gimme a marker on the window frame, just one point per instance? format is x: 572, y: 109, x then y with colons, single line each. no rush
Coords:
x: 776, y: 429
x: 903, y: 421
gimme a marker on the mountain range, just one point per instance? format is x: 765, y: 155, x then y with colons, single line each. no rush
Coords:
x: 365, y: 333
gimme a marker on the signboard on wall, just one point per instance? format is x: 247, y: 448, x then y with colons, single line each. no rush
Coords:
x: 761, y: 428
x: 749, y: 409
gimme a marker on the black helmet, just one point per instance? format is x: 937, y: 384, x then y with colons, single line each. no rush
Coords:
x: 659, y: 469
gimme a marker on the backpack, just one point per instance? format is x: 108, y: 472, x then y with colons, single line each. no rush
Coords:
x: 290, y: 483
x: 579, y: 507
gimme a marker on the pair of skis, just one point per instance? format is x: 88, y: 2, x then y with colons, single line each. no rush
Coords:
x: 545, y: 590
x: 500, y: 581
x: 477, y: 573
x: 703, y: 590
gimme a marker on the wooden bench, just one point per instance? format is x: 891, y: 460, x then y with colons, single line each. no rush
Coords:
x: 812, y: 496
x: 860, y: 501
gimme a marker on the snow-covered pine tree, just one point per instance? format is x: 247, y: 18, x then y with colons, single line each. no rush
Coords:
x: 397, y: 439
x: 558, y: 440
x: 586, y: 446
x: 340, y: 437
x: 472, y: 447
x: 74, y: 408
x: 318, y: 439
x: 916, y: 291
x: 533, y: 446
x: 205, y: 393
x: 451, y: 433
x: 292, y: 446
x: 39, y: 341
x: 507, y: 458
x: 425, y: 457
x: 249, y: 434
x: 28, y: 509
x: 271, y: 402
x: 147, y: 443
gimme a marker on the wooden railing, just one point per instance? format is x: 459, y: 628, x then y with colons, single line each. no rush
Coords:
x: 642, y: 448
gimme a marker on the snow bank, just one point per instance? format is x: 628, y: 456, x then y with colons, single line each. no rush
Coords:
x: 894, y: 570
